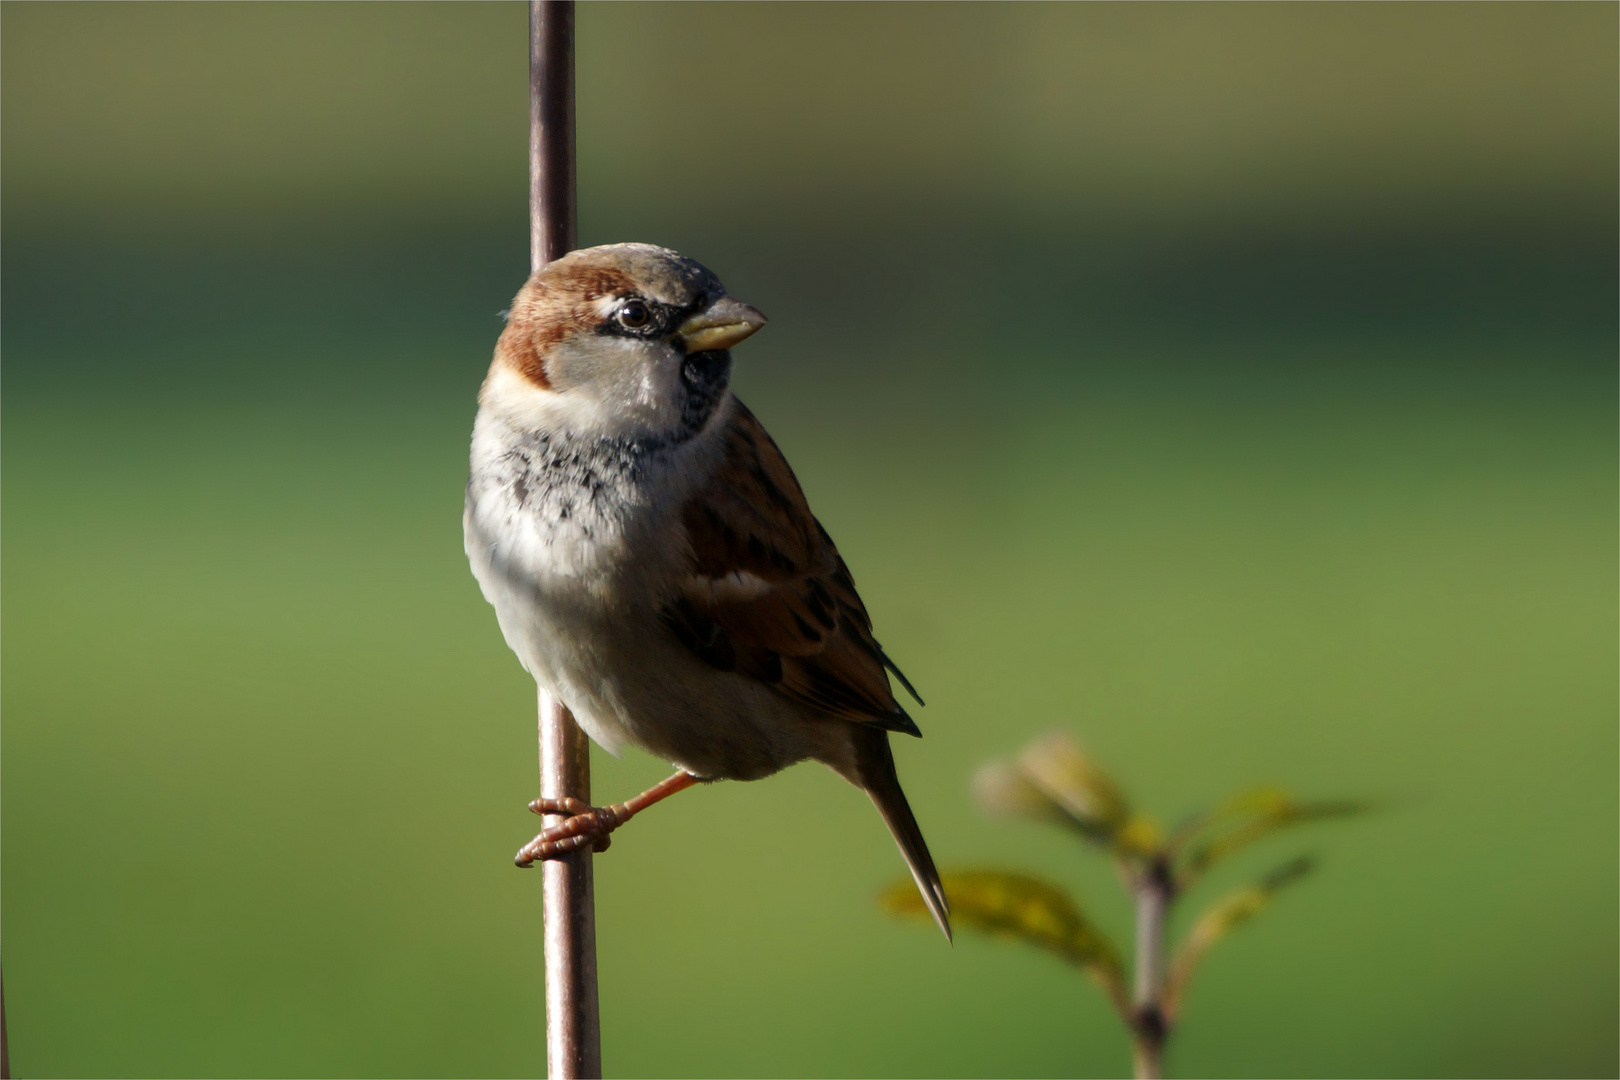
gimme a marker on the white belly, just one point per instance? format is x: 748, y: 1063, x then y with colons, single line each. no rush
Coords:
x: 578, y: 596
x: 563, y: 600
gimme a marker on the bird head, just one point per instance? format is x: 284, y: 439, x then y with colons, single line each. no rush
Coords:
x: 624, y: 340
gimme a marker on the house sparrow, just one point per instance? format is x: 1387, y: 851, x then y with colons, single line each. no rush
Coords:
x: 651, y: 557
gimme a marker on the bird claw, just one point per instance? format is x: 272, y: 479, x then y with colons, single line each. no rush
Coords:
x: 585, y: 826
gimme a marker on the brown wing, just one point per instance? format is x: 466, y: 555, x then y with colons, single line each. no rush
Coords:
x: 769, y: 596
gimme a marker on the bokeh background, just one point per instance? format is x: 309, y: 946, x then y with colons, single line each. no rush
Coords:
x: 1231, y: 385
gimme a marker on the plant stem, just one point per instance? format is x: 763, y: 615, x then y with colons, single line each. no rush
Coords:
x: 1153, y: 889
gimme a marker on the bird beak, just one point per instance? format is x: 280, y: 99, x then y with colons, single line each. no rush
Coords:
x: 719, y: 326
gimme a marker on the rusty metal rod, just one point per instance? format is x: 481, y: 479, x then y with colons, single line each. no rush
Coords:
x: 573, y: 1028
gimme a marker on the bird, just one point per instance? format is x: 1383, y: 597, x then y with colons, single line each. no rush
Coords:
x: 652, y: 559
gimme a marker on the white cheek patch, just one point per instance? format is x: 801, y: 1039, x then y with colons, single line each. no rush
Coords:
x: 631, y: 389
x: 533, y: 408
x: 646, y: 391
x: 638, y: 384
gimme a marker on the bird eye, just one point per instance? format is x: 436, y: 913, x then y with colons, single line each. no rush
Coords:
x: 634, y: 315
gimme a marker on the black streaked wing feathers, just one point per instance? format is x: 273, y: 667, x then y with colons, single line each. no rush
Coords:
x: 769, y: 596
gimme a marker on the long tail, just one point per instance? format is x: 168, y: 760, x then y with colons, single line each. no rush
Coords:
x: 882, y: 784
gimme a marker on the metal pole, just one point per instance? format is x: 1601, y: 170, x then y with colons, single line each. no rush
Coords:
x: 553, y: 222
x: 573, y: 1029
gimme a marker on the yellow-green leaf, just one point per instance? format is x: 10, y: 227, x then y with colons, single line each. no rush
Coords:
x: 1002, y: 788
x: 1139, y: 835
x: 1248, y: 817
x: 1062, y: 771
x: 1054, y: 781
x: 1018, y: 906
x: 1221, y: 918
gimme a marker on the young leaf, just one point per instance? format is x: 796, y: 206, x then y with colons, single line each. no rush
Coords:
x: 1242, y: 820
x: 1002, y: 788
x: 1221, y: 918
x: 1028, y: 909
x: 1070, y: 779
x: 1053, y: 781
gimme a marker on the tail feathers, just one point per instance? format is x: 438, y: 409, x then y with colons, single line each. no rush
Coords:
x: 883, y: 786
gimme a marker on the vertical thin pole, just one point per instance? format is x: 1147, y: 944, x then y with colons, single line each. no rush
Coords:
x: 573, y: 1027
x: 553, y: 221
x: 573, y: 1030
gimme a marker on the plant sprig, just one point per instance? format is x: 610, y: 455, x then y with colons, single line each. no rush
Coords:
x: 1055, y: 782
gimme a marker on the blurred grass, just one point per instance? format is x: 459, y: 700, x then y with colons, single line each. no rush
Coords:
x: 1305, y: 476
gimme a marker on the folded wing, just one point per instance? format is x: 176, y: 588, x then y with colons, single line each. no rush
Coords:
x: 768, y: 595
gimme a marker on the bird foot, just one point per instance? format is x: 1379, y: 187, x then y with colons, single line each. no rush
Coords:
x: 586, y: 826
x: 591, y: 826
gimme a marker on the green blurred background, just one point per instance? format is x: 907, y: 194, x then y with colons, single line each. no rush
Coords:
x: 1233, y: 386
